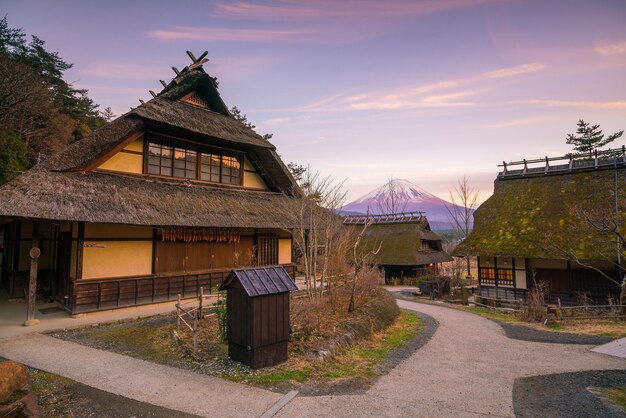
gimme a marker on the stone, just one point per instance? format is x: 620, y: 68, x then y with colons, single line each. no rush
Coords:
x: 550, y: 320
x: 13, y: 376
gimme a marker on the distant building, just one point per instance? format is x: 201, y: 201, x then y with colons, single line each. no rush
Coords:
x: 161, y: 201
x: 533, y: 229
x: 408, y: 248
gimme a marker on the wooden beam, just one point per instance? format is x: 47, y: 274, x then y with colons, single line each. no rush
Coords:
x: 102, y: 158
x: 34, y: 253
x: 193, y: 58
x: 79, y: 250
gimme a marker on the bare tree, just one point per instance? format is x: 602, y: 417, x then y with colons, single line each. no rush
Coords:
x: 318, y: 235
x: 392, y: 200
x: 461, y: 212
x: 360, y: 260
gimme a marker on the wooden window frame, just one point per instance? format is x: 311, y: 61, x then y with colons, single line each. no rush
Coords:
x: 200, y: 150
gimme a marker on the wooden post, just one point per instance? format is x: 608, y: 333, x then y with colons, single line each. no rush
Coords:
x: 35, y: 252
x: 200, y: 306
x: 195, y: 335
x: 178, y: 313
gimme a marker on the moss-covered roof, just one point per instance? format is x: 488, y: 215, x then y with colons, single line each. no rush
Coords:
x: 544, y: 216
x: 401, y: 242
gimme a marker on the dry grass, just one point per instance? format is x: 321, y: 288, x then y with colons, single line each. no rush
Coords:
x: 354, y: 362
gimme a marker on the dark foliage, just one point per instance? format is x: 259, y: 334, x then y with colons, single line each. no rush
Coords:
x: 35, y: 100
x: 12, y: 155
x: 590, y: 138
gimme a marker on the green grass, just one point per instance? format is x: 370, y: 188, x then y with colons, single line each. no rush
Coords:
x: 357, y: 361
x: 492, y: 313
x: 616, y: 395
x: 52, y: 393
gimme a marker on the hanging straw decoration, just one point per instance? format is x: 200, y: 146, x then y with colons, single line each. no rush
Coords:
x: 200, y: 234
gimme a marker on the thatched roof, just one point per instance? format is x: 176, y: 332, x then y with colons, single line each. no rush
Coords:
x: 544, y: 216
x: 65, y: 188
x: 400, y: 244
x: 111, y: 198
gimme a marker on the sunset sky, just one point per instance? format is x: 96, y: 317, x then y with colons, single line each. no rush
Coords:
x: 424, y: 90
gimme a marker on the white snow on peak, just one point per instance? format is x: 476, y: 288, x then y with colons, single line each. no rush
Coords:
x: 401, y: 188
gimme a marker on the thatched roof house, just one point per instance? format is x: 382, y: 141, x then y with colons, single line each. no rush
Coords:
x: 166, y: 198
x: 408, y: 248
x: 538, y: 223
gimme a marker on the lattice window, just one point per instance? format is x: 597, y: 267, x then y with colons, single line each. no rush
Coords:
x: 267, y: 251
x: 185, y: 163
x: 231, y: 170
x: 180, y: 160
x: 487, y: 276
x: 210, y: 167
x: 195, y: 99
x: 160, y: 159
x: 505, y: 277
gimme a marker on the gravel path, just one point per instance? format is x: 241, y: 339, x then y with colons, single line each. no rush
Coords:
x: 468, y: 368
x: 566, y: 395
x: 521, y: 332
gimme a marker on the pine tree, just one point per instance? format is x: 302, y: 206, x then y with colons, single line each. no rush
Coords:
x: 590, y: 138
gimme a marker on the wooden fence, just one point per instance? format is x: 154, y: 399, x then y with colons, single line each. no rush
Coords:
x: 189, y: 314
x: 103, y: 294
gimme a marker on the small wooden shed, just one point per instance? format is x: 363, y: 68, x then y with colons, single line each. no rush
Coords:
x: 258, y: 315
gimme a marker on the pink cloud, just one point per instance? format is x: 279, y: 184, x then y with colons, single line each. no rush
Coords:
x: 186, y: 33
x: 353, y: 10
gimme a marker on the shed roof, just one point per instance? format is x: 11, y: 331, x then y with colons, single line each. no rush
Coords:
x: 260, y: 281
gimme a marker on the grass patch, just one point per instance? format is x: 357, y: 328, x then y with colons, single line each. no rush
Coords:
x: 52, y: 393
x: 492, y: 313
x: 357, y: 361
x: 615, y: 395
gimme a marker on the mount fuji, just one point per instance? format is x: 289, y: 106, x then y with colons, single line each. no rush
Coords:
x: 400, y: 195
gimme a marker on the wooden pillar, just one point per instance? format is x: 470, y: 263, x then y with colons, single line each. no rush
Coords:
x: 34, y: 253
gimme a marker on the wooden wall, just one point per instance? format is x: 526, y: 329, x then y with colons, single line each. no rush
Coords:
x: 128, y: 160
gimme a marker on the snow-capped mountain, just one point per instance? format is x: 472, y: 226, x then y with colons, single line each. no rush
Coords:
x: 400, y: 195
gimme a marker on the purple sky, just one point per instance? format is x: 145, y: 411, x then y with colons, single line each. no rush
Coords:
x: 424, y: 90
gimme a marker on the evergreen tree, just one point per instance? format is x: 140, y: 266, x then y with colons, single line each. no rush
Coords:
x: 241, y: 117
x: 590, y: 138
x: 107, y: 114
x: 12, y: 156
x: 49, y: 66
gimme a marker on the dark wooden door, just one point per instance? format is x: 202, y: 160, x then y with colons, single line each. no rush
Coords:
x: 62, y: 276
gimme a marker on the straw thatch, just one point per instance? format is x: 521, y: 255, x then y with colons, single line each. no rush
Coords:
x: 541, y: 217
x: 111, y: 198
x: 401, y: 242
x: 65, y: 188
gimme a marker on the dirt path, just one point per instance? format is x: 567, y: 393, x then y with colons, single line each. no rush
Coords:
x: 466, y: 369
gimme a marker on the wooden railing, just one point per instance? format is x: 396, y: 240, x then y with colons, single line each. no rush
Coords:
x: 566, y: 163
x: 385, y: 218
x: 102, y: 294
x: 551, y: 298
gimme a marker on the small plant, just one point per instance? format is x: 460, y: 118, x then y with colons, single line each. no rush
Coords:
x: 536, y: 310
x: 220, y: 311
